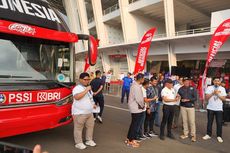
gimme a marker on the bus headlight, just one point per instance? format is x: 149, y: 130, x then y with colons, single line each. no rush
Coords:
x: 65, y: 101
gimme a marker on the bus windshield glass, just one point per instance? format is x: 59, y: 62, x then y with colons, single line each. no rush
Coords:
x: 24, y: 58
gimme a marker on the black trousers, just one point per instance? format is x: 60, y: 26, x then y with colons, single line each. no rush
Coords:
x: 218, y: 115
x: 168, y: 113
x: 149, y: 121
x: 133, y: 128
x: 99, y: 100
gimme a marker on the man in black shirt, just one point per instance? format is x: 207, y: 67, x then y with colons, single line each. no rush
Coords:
x: 97, y: 86
x: 188, y: 96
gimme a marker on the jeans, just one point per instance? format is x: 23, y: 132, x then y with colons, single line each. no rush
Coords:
x: 140, y: 127
x: 157, y: 113
x: 168, y: 113
x: 125, y: 91
x: 133, y: 128
x: 149, y: 122
x: 218, y: 115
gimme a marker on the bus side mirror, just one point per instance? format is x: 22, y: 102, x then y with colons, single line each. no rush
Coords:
x: 92, y: 47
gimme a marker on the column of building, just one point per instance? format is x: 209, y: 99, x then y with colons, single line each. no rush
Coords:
x: 170, y: 30
x: 129, y: 28
x: 101, y: 32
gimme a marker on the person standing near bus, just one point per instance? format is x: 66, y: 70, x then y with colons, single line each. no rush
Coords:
x: 97, y: 86
x: 82, y: 109
x: 127, y: 81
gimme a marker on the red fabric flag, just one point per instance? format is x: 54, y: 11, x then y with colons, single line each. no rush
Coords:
x: 218, y: 39
x: 143, y: 49
x: 86, y: 63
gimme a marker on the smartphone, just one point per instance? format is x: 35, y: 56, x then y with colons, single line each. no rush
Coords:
x: 12, y: 148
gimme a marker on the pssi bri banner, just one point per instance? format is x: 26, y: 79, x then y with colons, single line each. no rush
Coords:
x: 24, y: 97
x: 34, y: 12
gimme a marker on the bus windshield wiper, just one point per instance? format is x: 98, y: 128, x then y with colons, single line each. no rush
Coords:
x: 60, y: 83
x: 14, y: 76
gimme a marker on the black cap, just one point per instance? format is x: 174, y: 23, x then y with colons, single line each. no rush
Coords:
x: 186, y: 78
x: 168, y: 81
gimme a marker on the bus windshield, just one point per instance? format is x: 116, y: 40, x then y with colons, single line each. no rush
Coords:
x: 24, y: 58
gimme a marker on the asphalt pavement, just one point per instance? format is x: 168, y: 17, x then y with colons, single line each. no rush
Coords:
x: 110, y: 136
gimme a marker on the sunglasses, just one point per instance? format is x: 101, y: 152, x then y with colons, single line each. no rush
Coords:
x: 86, y: 79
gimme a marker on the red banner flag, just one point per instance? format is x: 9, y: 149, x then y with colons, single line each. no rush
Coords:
x: 86, y: 63
x: 143, y: 49
x: 218, y: 39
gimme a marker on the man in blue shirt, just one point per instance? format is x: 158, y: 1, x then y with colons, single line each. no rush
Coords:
x: 127, y: 81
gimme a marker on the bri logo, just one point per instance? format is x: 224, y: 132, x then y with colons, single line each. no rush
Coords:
x: 2, y: 98
x: 22, y: 28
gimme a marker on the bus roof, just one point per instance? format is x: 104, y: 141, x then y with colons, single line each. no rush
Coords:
x: 34, y: 18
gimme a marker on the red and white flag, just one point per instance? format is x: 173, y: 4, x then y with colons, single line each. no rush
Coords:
x: 218, y: 39
x: 143, y: 49
x: 86, y: 63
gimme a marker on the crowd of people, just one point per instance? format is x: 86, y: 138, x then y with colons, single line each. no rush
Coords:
x: 145, y: 97
x: 178, y: 98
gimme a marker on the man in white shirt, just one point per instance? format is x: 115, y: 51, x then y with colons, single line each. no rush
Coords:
x: 169, y: 99
x: 82, y: 109
x: 215, y: 95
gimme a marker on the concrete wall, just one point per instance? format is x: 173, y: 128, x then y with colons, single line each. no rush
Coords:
x: 115, y: 34
x: 218, y: 17
x: 144, y: 24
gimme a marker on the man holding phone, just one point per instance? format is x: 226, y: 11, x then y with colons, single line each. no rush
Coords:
x: 82, y: 109
x: 170, y: 99
x: 215, y: 95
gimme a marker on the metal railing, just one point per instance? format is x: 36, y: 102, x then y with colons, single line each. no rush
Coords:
x: 160, y: 36
x: 132, y: 1
x: 193, y: 31
x: 111, y: 9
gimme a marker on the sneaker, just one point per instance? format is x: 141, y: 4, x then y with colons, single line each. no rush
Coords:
x: 143, y: 137
x: 183, y: 136
x: 152, y: 134
x: 206, y: 137
x: 80, y: 146
x: 193, y: 139
x: 99, y: 118
x: 133, y: 144
x: 220, y: 140
x: 147, y: 135
x: 90, y: 143
x: 171, y: 136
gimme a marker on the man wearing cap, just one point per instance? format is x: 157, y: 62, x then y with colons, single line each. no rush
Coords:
x: 188, y: 96
x: 169, y: 99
